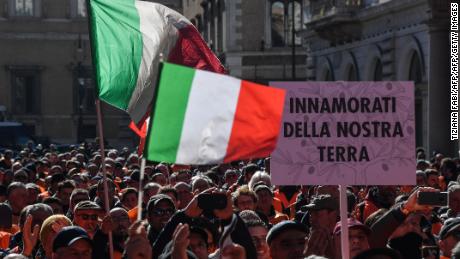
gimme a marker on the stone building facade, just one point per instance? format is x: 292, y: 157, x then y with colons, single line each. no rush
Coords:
x: 405, y: 40
x: 46, y: 75
x: 239, y: 32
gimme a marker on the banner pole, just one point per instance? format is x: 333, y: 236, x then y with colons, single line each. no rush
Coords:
x: 104, y: 171
x: 141, y: 190
x: 344, y: 222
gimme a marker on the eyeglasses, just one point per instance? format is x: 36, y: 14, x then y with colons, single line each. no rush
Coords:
x: 88, y: 216
x: 162, y: 212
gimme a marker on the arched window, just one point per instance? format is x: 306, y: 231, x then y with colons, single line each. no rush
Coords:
x: 277, y: 24
x: 352, y: 76
x: 415, y: 74
x: 378, y: 71
x: 415, y: 69
x: 297, y: 22
x: 328, y: 76
x: 283, y: 17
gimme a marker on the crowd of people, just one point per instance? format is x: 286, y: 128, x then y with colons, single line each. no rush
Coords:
x: 53, y: 205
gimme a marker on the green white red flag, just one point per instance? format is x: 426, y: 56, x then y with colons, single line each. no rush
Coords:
x: 127, y: 38
x: 201, y: 117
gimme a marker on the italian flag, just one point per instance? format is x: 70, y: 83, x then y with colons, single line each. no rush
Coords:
x: 127, y: 38
x: 201, y: 117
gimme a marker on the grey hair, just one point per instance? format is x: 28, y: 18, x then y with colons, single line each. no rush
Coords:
x: 260, y: 176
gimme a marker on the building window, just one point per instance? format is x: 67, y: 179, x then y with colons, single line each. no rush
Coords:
x: 81, y: 8
x: 352, y: 75
x: 415, y: 75
x: 283, y: 17
x: 25, y: 84
x: 78, y: 8
x: 328, y: 76
x: 415, y: 71
x: 378, y: 71
x: 85, y: 90
x: 24, y: 8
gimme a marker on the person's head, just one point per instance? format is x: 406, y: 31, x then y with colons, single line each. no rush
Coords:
x: 184, y: 194
x: 129, y: 198
x: 150, y: 189
x: 244, y: 199
x: 258, y: 232
x: 39, y: 213
x: 199, y: 242
x: 171, y: 192
x: 449, y: 236
x: 55, y: 203
x: 159, y: 210
x: 100, y: 190
x: 121, y: 220
x: 432, y: 178
x: 160, y: 178
x: 17, y: 196
x: 323, y: 212
x: 422, y: 164
x: 86, y: 215
x: 420, y: 178
x: 230, y: 177
x: 358, y: 236
x: 64, y: 191
x: 287, y: 240
x: 448, y: 169
x: 248, y: 171
x: 50, y: 227
x: 184, y: 176
x: 72, y: 242
x: 21, y: 176
x: 259, y: 177
x: 56, y: 178
x: 264, y: 197
x: 454, y: 199
x: 77, y: 196
x: 200, y: 183
x: 32, y: 191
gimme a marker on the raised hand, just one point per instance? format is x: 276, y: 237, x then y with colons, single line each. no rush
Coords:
x: 29, y: 236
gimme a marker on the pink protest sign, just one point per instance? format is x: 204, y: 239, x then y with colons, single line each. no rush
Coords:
x: 354, y: 133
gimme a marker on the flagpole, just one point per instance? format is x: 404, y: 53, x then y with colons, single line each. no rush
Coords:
x: 104, y: 171
x: 141, y: 190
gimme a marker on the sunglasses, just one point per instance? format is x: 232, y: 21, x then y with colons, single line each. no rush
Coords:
x: 88, y: 216
x: 162, y: 212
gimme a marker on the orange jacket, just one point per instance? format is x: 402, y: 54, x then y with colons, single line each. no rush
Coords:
x: 362, y: 213
x: 286, y: 205
x: 4, y: 239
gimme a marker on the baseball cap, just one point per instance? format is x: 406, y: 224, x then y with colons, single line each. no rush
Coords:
x: 157, y: 198
x: 258, y: 187
x: 352, y: 223
x: 69, y: 235
x: 87, y: 205
x: 283, y: 226
x: 322, y: 202
x: 450, y: 225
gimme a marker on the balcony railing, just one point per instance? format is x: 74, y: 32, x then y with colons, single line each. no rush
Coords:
x: 325, y: 8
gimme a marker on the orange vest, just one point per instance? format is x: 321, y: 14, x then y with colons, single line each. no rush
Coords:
x: 132, y: 214
x: 4, y: 239
x: 287, y: 204
x: 369, y: 208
